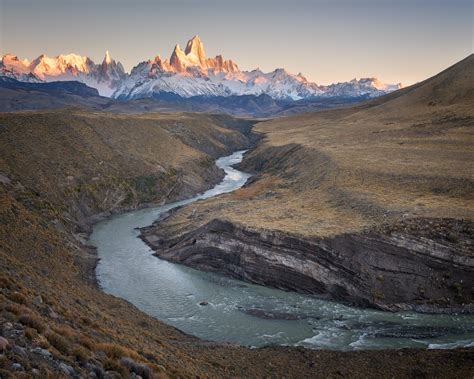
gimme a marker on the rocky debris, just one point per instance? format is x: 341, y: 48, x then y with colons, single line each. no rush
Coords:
x: 18, y: 350
x: 389, y: 271
x: 66, y: 369
x: 7, y: 326
x: 17, y: 367
x: 95, y: 371
x: 414, y: 332
x: 4, y: 179
x: 272, y: 315
x: 137, y: 370
x: 4, y: 344
x: 40, y: 351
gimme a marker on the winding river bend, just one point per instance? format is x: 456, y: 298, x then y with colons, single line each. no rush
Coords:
x: 247, y: 314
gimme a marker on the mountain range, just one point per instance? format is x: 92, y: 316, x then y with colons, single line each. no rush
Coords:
x: 187, y: 73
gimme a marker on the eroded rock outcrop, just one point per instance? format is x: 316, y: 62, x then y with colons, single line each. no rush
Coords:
x: 382, y: 269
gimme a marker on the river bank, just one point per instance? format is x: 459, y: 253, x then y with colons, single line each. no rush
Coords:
x: 388, y: 271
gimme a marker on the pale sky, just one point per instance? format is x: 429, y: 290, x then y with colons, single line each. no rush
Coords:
x: 328, y: 41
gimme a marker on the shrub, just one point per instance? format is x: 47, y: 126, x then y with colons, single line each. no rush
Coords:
x: 5, y: 282
x: 113, y: 365
x: 115, y: 351
x: 66, y: 331
x: 16, y: 309
x: 86, y: 320
x: 86, y: 342
x: 59, y: 342
x: 31, y: 333
x: 33, y: 321
x: 17, y: 297
x: 81, y: 354
x: 43, y: 342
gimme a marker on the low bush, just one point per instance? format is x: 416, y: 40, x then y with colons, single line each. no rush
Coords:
x: 60, y: 343
x: 113, y: 365
x: 65, y: 331
x: 81, y: 354
x: 5, y: 282
x: 17, y: 297
x: 86, y: 342
x: 115, y: 351
x: 86, y: 320
x: 33, y: 321
x: 31, y: 333
x: 16, y: 309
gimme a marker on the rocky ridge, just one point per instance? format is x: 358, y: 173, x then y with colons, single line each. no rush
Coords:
x: 187, y: 73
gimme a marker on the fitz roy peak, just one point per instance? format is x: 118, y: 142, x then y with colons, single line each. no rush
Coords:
x: 187, y: 73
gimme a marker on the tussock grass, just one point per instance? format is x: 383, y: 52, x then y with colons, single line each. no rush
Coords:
x: 16, y: 309
x: 261, y: 187
x: 81, y: 354
x: 6, y: 282
x: 60, y: 343
x: 114, y: 365
x: 406, y: 155
x: 33, y: 321
x: 115, y: 351
x: 17, y: 297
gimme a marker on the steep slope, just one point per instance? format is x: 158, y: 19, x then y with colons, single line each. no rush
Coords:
x: 379, y: 197
x: 105, y: 162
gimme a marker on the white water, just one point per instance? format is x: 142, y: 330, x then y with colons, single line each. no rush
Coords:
x: 172, y: 293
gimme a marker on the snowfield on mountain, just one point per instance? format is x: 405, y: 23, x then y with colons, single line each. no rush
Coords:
x: 187, y: 73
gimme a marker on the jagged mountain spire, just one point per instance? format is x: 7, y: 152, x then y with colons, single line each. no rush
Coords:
x: 107, y: 58
x: 188, y: 73
x: 195, y: 47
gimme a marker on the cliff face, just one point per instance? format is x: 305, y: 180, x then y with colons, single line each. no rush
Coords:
x: 385, y: 269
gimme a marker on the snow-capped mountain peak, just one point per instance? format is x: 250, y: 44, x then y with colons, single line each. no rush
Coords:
x: 187, y: 73
x: 195, y: 51
x: 193, y: 60
x: 178, y: 60
x: 45, y: 67
x: 107, y: 58
x: 12, y: 63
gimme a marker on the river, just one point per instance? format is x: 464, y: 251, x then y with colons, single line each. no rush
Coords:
x: 248, y: 314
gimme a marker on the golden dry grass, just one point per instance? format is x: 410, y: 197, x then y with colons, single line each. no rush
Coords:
x: 407, y: 155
